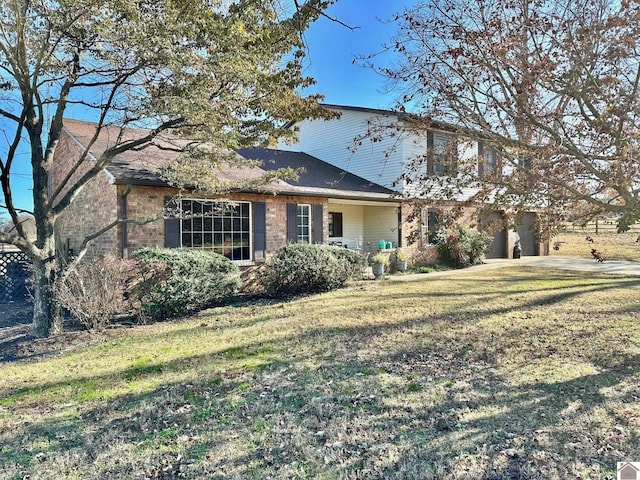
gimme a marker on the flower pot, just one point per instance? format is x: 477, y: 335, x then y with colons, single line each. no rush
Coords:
x: 401, y: 265
x: 378, y: 269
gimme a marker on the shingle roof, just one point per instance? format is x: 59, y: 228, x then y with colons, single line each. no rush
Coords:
x: 401, y: 116
x: 144, y: 167
x: 317, y: 175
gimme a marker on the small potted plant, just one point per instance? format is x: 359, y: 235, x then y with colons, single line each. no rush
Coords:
x: 401, y: 260
x: 378, y: 264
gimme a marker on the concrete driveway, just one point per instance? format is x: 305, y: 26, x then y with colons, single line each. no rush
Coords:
x: 620, y: 267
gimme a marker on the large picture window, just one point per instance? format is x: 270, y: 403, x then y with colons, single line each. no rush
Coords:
x: 221, y: 227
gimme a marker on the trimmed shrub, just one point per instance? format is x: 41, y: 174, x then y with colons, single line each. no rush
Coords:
x: 303, y: 268
x: 355, y: 259
x: 94, y: 292
x: 461, y: 246
x: 178, y: 281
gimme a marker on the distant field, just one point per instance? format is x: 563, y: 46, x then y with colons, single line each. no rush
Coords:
x: 614, y: 246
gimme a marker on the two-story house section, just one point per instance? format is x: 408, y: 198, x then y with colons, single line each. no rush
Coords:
x: 365, y: 143
x: 382, y: 145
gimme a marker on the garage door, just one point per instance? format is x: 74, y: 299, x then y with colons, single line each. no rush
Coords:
x: 526, y: 230
x: 498, y: 248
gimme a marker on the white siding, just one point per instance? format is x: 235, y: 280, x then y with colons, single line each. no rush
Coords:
x: 415, y: 154
x: 334, y: 141
x: 382, y: 161
x: 380, y: 223
x: 352, y: 220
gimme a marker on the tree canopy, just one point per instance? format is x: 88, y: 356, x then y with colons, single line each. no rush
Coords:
x: 228, y: 72
x: 551, y: 86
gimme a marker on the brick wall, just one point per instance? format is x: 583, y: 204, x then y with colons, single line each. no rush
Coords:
x: 143, y: 203
x: 94, y: 207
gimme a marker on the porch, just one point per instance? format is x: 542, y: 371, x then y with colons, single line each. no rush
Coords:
x: 360, y: 225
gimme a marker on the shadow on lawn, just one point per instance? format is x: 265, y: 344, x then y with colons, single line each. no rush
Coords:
x: 213, y: 412
x: 131, y: 435
x: 535, y: 424
x: 172, y: 431
x: 266, y: 419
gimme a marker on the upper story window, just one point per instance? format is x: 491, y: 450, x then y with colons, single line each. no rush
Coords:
x: 488, y: 162
x: 304, y: 223
x: 442, y: 154
x: 525, y: 161
x: 221, y: 227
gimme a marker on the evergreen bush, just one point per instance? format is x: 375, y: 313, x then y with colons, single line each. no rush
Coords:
x: 461, y: 246
x: 304, y: 268
x: 178, y: 281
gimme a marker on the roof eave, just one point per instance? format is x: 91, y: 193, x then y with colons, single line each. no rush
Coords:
x: 387, y: 198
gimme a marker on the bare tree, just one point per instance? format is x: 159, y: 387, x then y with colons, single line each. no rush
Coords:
x: 548, y: 87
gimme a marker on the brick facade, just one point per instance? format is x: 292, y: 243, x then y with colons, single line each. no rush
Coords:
x: 146, y: 202
x: 100, y: 202
x: 94, y: 207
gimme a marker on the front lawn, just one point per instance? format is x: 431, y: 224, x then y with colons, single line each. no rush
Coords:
x: 501, y: 374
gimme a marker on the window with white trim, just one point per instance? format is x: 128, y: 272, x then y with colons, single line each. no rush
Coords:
x: 443, y: 157
x: 221, y: 227
x: 304, y: 223
x: 430, y: 225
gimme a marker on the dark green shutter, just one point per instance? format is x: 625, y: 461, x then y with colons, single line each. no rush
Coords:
x: 292, y: 223
x: 318, y: 223
x: 171, y: 224
x: 259, y: 230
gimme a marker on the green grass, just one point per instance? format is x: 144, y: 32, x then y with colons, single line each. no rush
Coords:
x: 501, y: 374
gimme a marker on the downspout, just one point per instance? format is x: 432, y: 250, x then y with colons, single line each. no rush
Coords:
x: 125, y: 233
x: 400, y: 220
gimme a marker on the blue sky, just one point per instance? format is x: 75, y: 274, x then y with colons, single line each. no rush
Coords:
x: 331, y: 48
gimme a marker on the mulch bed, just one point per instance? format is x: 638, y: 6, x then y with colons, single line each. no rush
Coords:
x: 16, y: 343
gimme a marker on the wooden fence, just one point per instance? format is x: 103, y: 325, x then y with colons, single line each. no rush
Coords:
x: 599, y: 226
x: 15, y: 269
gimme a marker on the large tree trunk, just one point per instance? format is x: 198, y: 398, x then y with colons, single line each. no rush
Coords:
x: 44, y: 261
x: 44, y: 312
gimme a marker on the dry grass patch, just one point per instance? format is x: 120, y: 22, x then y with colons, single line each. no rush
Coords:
x: 492, y: 375
x: 614, y: 246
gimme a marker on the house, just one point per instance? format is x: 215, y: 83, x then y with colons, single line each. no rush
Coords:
x: 628, y: 471
x: 325, y: 204
x: 380, y: 145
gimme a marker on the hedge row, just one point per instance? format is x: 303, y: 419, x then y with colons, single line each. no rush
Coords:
x: 162, y: 283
